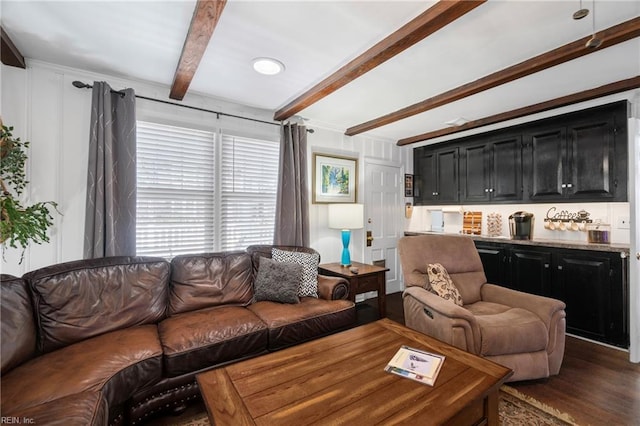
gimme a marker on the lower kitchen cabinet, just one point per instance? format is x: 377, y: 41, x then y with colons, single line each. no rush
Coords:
x: 593, y: 284
x: 530, y: 270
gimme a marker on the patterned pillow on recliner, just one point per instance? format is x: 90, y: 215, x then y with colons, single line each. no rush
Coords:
x: 442, y: 285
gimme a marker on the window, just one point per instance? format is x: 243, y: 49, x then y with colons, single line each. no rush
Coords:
x: 201, y: 191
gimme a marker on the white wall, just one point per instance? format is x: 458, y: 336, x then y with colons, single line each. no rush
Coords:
x: 333, y: 141
x: 45, y: 109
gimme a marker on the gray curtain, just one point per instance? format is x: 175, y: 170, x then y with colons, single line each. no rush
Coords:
x: 110, y: 225
x: 292, y: 206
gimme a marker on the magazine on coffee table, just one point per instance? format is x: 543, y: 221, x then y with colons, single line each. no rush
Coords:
x: 416, y: 365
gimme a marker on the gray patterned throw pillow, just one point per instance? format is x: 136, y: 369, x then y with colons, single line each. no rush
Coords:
x: 277, y: 281
x: 309, y: 285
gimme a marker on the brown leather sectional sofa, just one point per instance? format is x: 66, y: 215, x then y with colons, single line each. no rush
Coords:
x: 117, y: 340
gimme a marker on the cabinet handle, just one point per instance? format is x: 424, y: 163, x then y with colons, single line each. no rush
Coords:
x: 569, y: 185
x: 564, y: 185
x: 486, y: 190
x: 560, y: 267
x: 434, y: 193
x: 490, y: 189
x: 546, y: 265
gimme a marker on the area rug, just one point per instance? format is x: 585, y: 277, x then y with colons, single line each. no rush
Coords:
x: 516, y: 409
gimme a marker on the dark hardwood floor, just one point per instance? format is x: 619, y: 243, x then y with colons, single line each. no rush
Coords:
x: 597, y: 385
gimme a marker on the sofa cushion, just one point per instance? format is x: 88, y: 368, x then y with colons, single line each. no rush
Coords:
x: 199, y: 339
x: 278, y: 281
x: 81, y: 299
x: 83, y: 409
x: 210, y: 279
x: 512, y: 331
x: 117, y: 363
x: 18, y: 325
x: 440, y: 283
x: 311, y: 318
x: 309, y: 262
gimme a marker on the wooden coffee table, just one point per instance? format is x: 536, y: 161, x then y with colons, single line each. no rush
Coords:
x: 340, y: 379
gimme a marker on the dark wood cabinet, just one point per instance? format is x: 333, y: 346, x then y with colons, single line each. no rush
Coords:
x: 495, y: 261
x: 578, y: 158
x: 491, y: 170
x: 436, y: 176
x: 530, y: 270
x: 593, y: 284
x: 545, y: 163
x: 581, y: 156
x: 525, y: 269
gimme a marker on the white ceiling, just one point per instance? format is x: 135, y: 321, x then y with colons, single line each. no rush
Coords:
x: 143, y: 40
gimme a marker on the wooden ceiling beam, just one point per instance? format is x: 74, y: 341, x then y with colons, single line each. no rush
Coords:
x: 205, y: 18
x: 436, y: 17
x: 586, y: 95
x: 611, y: 36
x: 10, y: 54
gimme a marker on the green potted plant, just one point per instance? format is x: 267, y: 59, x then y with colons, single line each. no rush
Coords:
x: 19, y: 225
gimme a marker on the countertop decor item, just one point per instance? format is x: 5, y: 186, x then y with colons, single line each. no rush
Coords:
x: 598, y: 232
x: 472, y: 223
x: 494, y: 224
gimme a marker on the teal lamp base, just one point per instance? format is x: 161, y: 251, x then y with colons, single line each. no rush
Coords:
x: 346, y: 257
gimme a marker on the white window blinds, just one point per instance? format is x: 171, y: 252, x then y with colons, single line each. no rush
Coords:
x: 194, y: 197
x: 249, y: 181
x: 176, y: 178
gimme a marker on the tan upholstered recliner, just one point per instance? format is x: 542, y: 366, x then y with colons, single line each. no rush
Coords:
x: 521, y: 331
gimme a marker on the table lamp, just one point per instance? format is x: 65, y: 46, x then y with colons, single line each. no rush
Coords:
x: 346, y: 217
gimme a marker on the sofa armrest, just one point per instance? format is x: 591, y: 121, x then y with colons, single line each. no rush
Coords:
x: 332, y: 288
x: 440, y: 318
x: 544, y: 307
x: 551, y: 312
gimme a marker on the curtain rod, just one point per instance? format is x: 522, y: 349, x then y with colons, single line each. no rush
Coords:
x: 81, y: 85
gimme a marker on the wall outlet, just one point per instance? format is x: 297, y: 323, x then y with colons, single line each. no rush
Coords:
x: 623, y: 222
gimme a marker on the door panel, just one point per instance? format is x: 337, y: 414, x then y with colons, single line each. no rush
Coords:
x: 531, y: 271
x: 447, y: 175
x: 506, y: 159
x: 592, y: 158
x: 585, y: 289
x: 383, y: 213
x: 547, y: 167
x: 474, y: 181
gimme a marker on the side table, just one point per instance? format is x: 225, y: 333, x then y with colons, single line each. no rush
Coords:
x: 368, y: 278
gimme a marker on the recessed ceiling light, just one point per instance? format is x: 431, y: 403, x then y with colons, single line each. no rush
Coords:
x: 268, y: 66
x: 456, y: 122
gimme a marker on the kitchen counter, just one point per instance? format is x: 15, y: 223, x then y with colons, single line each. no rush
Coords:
x: 624, y: 249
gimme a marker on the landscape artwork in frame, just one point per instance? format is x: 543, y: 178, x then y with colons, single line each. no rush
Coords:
x: 335, y: 179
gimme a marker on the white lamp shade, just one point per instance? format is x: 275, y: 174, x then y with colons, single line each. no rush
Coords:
x: 346, y: 216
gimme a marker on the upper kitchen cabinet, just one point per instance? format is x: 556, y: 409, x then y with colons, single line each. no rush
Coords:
x: 575, y: 157
x: 491, y: 169
x: 580, y: 156
x: 436, y: 175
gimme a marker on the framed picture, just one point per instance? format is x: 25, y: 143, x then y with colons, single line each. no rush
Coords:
x: 335, y: 179
x: 408, y: 185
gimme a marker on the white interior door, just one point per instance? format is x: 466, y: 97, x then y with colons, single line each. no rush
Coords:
x: 383, y: 217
